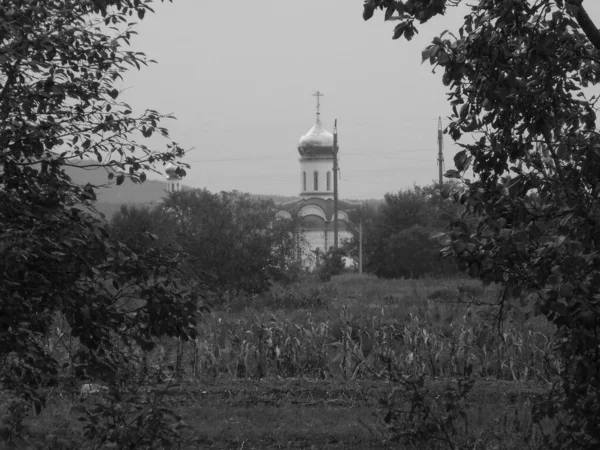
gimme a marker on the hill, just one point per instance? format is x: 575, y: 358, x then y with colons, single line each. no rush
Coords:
x: 152, y: 191
x: 111, y: 197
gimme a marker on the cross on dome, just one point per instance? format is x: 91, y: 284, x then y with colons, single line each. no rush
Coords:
x: 318, y: 95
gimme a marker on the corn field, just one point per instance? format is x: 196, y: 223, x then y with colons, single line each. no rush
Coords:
x: 417, y: 348
x: 324, y: 332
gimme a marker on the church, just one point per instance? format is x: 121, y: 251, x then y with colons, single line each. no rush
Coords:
x: 315, y: 208
x: 314, y: 211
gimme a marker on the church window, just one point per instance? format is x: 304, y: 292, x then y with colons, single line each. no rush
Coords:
x: 316, y: 180
x: 328, y: 180
x: 304, y: 181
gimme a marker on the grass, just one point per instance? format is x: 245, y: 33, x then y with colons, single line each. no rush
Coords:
x: 315, y: 365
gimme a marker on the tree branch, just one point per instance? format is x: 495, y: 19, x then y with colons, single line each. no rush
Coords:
x: 586, y: 23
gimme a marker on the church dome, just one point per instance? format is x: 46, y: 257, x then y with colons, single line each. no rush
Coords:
x: 317, y: 142
x: 171, y: 170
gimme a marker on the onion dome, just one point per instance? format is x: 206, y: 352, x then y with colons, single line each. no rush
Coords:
x: 318, y: 142
x: 171, y: 171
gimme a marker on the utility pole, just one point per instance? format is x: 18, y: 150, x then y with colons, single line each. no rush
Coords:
x: 335, y: 187
x: 440, y: 151
x: 360, y: 246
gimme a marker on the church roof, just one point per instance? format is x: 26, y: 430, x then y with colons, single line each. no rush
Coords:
x: 326, y: 205
x: 318, y: 142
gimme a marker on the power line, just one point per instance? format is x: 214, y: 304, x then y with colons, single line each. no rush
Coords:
x: 249, y: 158
x: 263, y: 157
x: 384, y: 155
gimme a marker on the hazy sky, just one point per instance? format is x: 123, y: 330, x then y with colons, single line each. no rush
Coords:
x: 239, y: 76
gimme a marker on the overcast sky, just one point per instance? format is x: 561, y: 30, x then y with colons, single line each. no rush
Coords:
x: 240, y: 76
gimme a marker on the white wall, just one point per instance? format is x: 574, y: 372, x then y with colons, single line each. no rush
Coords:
x: 322, y: 166
x: 316, y: 239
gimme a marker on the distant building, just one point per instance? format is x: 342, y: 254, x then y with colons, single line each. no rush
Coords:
x: 314, y: 210
x: 173, y: 179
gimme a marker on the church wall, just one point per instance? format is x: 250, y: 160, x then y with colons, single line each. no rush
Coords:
x: 323, y: 240
x: 314, y: 239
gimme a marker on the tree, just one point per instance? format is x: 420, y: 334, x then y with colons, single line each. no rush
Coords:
x: 517, y: 72
x: 442, y: 209
x: 59, y: 64
x: 396, y: 233
x: 387, y: 256
x: 234, y: 244
x: 142, y: 228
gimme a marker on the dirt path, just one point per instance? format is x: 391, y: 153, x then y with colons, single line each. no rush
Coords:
x: 290, y: 414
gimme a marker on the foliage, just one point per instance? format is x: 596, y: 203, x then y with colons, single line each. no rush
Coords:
x: 60, y: 62
x: 410, y: 254
x: 517, y: 73
x: 414, y: 417
x: 330, y: 263
x: 318, y: 330
x: 132, y: 418
x: 234, y: 244
x: 141, y: 228
x: 348, y: 342
x: 396, y: 234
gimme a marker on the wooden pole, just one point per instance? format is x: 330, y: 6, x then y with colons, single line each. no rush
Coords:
x: 335, y: 187
x: 440, y: 152
x: 360, y: 247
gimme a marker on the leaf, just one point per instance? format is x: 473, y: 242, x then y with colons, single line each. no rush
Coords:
x: 474, y: 269
x: 443, y: 58
x: 425, y: 54
x: 38, y: 148
x: 78, y: 409
x: 368, y: 12
x: 461, y: 160
x: 566, y: 290
x: 452, y: 174
x: 438, y: 235
x: 389, y: 12
x: 399, y: 30
x: 563, y: 151
x: 120, y: 179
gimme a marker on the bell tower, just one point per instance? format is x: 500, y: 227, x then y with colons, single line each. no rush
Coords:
x: 316, y: 160
x: 173, y: 178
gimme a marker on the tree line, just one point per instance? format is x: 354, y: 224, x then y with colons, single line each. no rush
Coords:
x: 228, y: 243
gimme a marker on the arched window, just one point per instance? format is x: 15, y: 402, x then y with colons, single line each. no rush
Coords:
x: 304, y: 181
x: 328, y: 180
x: 316, y: 180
